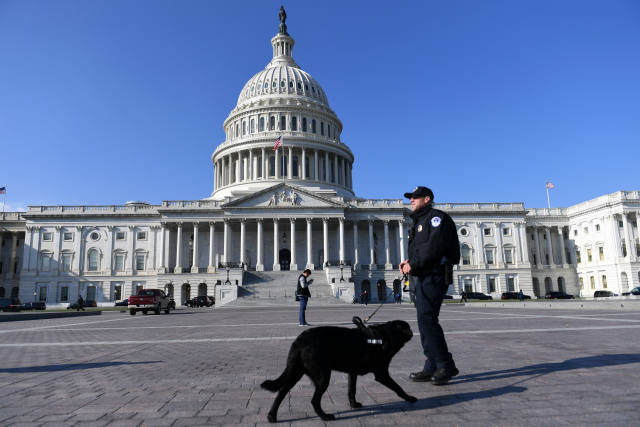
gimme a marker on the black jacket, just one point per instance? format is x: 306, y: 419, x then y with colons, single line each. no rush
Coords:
x: 433, y: 241
x: 302, y: 291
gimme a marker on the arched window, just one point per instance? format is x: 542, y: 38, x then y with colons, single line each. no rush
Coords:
x: 294, y: 123
x: 168, y: 289
x: 237, y: 130
x: 294, y: 166
x: 261, y: 124
x: 93, y: 260
x: 322, y: 128
x: 465, y: 253
x: 272, y: 123
x: 508, y: 254
x: 536, y: 287
x: 561, y: 286
x: 328, y: 130
x: 253, y: 125
x: 490, y: 254
x: 283, y: 122
x: 313, y: 126
x: 304, y: 124
x: 244, y: 127
x: 548, y: 285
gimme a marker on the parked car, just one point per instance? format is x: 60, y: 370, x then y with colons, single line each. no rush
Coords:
x: 38, y: 305
x: 514, y: 295
x: 634, y: 291
x: 447, y: 297
x: 558, y: 295
x: 10, y: 304
x: 604, y: 294
x: 478, y: 295
x: 201, y: 301
x: 149, y: 300
x: 90, y: 303
x: 124, y: 302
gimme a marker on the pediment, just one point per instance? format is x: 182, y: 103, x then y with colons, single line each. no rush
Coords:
x: 283, y: 196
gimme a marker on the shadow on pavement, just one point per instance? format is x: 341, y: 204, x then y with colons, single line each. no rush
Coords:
x: 546, y: 368
x: 68, y: 367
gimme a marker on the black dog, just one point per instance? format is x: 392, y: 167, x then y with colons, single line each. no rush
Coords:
x: 318, y: 351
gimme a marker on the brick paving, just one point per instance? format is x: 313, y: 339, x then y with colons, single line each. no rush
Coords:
x: 204, y: 367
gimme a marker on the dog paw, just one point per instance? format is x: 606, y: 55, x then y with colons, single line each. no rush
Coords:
x: 328, y: 417
x: 355, y: 405
x: 411, y: 399
x: 272, y: 418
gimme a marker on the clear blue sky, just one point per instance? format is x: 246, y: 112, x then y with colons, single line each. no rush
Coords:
x: 104, y: 101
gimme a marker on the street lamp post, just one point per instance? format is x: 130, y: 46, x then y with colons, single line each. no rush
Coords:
x: 341, y: 272
x: 227, y: 282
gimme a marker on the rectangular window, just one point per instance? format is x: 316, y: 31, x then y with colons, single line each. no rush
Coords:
x: 322, y: 128
x: 91, y: 293
x: 508, y: 256
x: 487, y: 231
x: 42, y: 294
x: 601, y: 253
x: 620, y: 224
x: 137, y: 287
x: 121, y: 235
x: 511, y: 284
x: 141, y: 235
x: 46, y: 262
x: 294, y: 123
x: 64, y: 294
x: 47, y: 236
x: 117, y: 292
x: 304, y: 124
x: 581, y: 284
x: 578, y: 257
x: 575, y: 232
x: 139, y: 262
x: 592, y: 280
x: 67, y: 236
x: 66, y: 262
x: 604, y: 281
x: 489, y: 255
x: 119, y: 262
x: 468, y: 285
x: 283, y: 122
x: 597, y: 227
x: 586, y: 230
x: 491, y: 284
x: 506, y: 231
x: 589, y: 257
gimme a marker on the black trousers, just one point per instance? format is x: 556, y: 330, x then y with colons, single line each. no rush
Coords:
x: 430, y: 291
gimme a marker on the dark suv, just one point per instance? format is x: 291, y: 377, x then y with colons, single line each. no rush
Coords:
x: 477, y: 295
x: 9, y: 304
x: 604, y: 294
x: 514, y: 295
x: 558, y: 295
x: 634, y: 291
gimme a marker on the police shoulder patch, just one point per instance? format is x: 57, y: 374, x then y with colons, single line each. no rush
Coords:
x: 435, y: 221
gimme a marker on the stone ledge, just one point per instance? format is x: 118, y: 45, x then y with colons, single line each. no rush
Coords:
x: 13, y: 317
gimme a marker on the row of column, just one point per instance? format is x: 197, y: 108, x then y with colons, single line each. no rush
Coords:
x: 539, y: 253
x: 630, y: 242
x: 179, y: 268
x: 242, y: 128
x: 497, y: 231
x: 14, y: 253
x: 248, y: 166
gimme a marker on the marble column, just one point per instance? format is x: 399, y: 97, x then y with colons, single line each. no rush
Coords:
x: 387, y: 251
x: 547, y: 233
x: 242, y: 240
x: 163, y: 264
x: 211, y: 268
x: 627, y: 237
x: 315, y: 169
x: 325, y: 240
x: 521, y: 239
x: 304, y: 163
x: 335, y: 169
x: 225, y: 243
x: 290, y: 164
x: 293, y: 265
x: 327, y: 175
x: 251, y: 166
x: 536, y: 238
x: 500, y: 251
x: 276, y: 246
x: 265, y: 164
x: 372, y: 263
x: 309, y: 252
x: 194, y: 260
x: 341, y: 227
x: 401, y: 239
x: 356, y: 261
x: 259, y: 260
x: 178, y: 268
x: 480, y: 259
x: 563, y: 257
x: 615, y: 230
x: 14, y: 247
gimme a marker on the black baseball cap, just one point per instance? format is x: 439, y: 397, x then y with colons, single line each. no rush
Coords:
x: 419, y: 192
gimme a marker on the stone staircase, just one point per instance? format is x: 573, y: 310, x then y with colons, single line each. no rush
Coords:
x: 279, y: 287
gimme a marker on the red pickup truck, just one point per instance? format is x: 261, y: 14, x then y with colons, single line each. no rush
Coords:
x: 149, y: 299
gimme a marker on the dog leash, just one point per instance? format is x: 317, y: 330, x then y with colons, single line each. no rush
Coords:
x: 404, y: 279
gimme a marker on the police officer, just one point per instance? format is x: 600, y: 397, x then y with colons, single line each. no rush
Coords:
x: 433, y: 250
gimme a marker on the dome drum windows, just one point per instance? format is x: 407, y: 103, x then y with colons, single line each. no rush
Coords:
x: 304, y: 124
x: 313, y: 126
x: 283, y: 122
x: 253, y: 125
x: 294, y: 123
x: 272, y: 123
x: 322, y: 128
x: 261, y: 124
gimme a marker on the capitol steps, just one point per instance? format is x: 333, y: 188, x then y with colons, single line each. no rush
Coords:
x: 278, y: 287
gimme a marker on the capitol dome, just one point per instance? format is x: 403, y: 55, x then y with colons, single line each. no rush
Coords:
x: 282, y: 101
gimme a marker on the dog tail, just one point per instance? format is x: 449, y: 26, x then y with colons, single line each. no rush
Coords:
x: 293, y: 363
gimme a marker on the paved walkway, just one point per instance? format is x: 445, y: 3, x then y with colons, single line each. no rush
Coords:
x: 204, y: 367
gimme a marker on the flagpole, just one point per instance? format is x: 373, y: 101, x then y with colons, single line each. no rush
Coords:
x: 4, y: 198
x: 548, y: 202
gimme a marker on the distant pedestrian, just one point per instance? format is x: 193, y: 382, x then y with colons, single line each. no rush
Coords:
x: 80, y: 303
x: 520, y: 295
x: 463, y: 297
x: 364, y: 297
x: 303, y: 294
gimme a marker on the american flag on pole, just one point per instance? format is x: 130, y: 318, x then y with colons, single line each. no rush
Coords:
x: 278, y: 143
x: 550, y: 185
x: 3, y: 190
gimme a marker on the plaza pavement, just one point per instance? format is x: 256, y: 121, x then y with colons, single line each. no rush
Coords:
x: 204, y: 366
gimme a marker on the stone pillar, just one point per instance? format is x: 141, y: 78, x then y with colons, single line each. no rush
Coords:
x: 26, y: 263
x: 290, y: 164
x: 277, y: 161
x: 251, y: 166
x: 309, y: 253
x: 325, y: 240
x: 225, y: 243
x: 617, y: 251
x: 387, y: 254
x: 276, y: 246
x: 315, y: 169
x: 327, y: 175
x: 238, y: 166
x: 112, y: 236
x: 549, y: 248
x: 259, y: 260
x: 372, y: 263
x: 563, y: 257
x: 77, y: 247
x: 229, y: 170
x: 521, y: 239
x: 304, y: 164
x: 627, y: 238
x: 356, y: 261
x: 14, y: 246
x: 242, y: 237
x: 264, y: 162
x: 163, y: 265
x: 178, y: 268
x: 335, y: 169
x: 537, y: 241
x: 341, y: 227
x: 211, y: 268
x: 500, y: 250
x: 294, y: 265
x: 401, y: 239
x: 194, y: 262
x: 480, y: 260
x: 132, y: 250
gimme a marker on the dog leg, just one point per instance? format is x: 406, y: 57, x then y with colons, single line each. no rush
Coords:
x: 321, y: 382
x: 291, y: 380
x: 352, y: 391
x: 385, y: 379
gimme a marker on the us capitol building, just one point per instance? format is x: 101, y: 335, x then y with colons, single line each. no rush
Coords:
x: 275, y: 211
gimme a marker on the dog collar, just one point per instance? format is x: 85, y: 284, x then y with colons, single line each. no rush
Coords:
x: 374, y: 341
